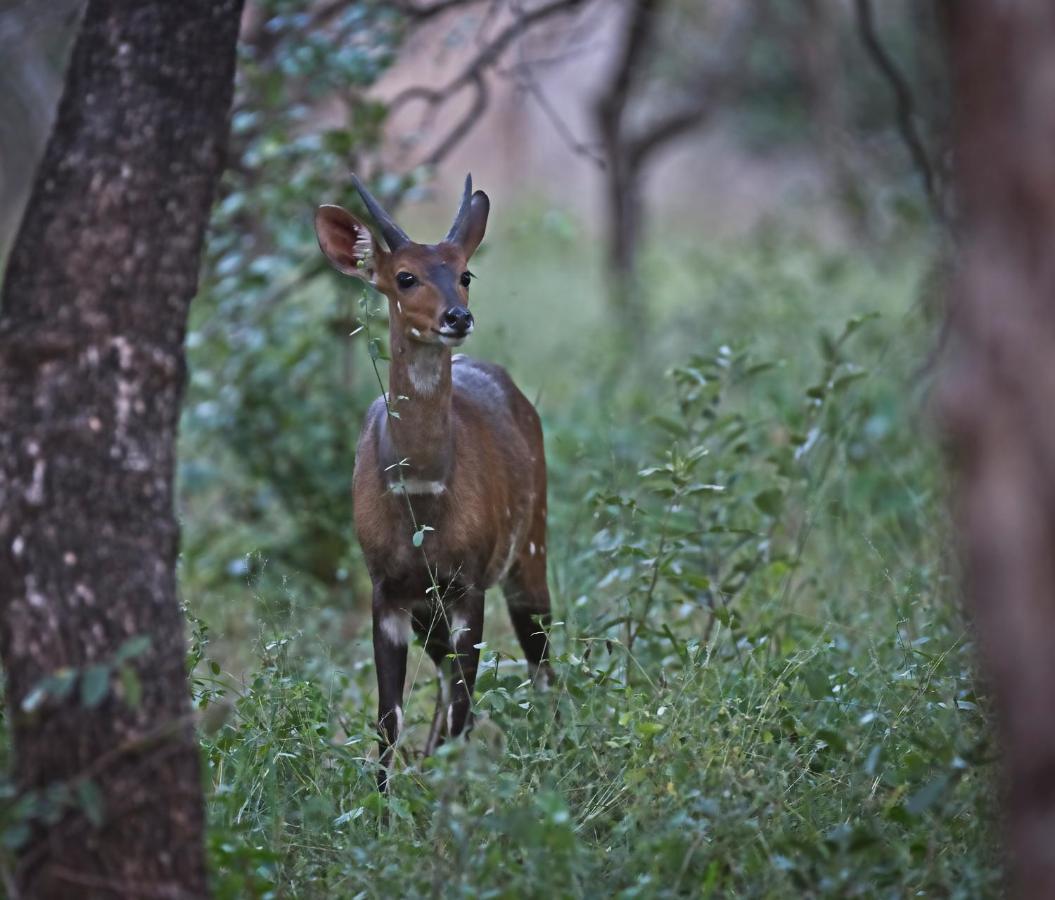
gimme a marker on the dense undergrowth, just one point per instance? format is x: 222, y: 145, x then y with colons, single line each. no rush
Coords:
x: 764, y: 683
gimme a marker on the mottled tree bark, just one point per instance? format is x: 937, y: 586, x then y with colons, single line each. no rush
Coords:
x: 998, y: 392
x: 92, y: 320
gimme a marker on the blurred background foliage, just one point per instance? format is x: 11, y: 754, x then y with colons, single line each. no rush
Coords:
x: 765, y: 687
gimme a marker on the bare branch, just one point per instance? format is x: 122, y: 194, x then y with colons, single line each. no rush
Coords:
x: 474, y: 75
x: 578, y: 147
x: 672, y: 125
x: 419, y: 14
x: 903, y: 100
x: 465, y: 124
x: 488, y: 56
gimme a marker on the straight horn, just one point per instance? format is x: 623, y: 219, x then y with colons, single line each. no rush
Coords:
x: 460, y: 220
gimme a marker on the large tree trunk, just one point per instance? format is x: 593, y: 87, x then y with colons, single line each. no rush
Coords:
x: 999, y: 392
x: 94, y: 310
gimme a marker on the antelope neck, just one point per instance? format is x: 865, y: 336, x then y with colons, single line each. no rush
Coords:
x: 419, y: 386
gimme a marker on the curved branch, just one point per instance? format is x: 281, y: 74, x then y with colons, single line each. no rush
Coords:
x: 474, y: 75
x: 488, y: 55
x: 903, y: 101
x: 418, y: 14
x: 465, y: 124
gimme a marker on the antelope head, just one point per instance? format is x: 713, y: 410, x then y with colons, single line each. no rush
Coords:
x: 427, y: 285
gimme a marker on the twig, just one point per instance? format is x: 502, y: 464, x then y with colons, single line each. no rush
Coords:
x: 631, y: 636
x: 465, y: 124
x: 903, y: 101
x: 487, y: 57
x: 525, y: 78
x: 474, y: 76
x: 419, y: 14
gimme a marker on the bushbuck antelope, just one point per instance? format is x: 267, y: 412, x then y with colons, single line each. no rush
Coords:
x: 457, y: 447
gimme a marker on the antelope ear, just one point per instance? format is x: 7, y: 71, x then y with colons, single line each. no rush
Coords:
x: 347, y: 242
x: 472, y: 232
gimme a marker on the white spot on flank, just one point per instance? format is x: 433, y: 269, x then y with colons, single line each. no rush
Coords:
x: 531, y: 548
x: 514, y: 542
x: 69, y: 558
x: 399, y: 720
x: 396, y: 627
x: 458, y: 625
x: 509, y: 513
x: 18, y: 545
x: 450, y: 720
x: 419, y: 486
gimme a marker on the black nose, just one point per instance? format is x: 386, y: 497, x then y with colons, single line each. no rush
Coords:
x: 458, y: 318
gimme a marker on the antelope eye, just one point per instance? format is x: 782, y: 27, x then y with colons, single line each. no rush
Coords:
x: 405, y: 280
x: 466, y: 278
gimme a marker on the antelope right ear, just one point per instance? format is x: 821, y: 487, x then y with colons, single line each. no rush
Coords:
x: 347, y: 242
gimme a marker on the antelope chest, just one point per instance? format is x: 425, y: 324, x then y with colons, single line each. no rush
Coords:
x: 450, y: 524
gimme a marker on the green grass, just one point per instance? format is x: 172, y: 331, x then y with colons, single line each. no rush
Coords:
x: 765, y: 688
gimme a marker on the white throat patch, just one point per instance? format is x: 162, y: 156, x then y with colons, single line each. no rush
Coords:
x: 424, y: 373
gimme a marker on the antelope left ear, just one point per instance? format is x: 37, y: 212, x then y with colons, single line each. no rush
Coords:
x: 346, y: 241
x: 475, y: 223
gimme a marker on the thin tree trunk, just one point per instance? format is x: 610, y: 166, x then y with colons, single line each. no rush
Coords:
x: 622, y: 174
x: 94, y: 310
x: 623, y: 242
x: 998, y: 393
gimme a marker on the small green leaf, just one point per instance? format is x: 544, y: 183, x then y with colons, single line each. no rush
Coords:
x: 133, y: 647
x: 90, y: 799
x: 14, y: 836
x: 770, y: 501
x: 856, y: 322
x: 349, y: 816
x: 34, y: 699
x: 131, y: 686
x: 95, y: 684
x: 849, y: 378
x: 833, y: 739
x: 816, y: 683
x: 60, y: 685
x: 927, y: 796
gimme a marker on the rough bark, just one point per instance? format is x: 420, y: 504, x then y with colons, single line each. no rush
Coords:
x: 999, y: 388
x: 92, y: 321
